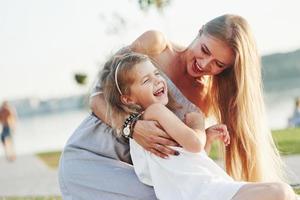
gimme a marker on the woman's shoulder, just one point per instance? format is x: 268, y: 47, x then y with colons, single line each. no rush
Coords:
x: 150, y: 42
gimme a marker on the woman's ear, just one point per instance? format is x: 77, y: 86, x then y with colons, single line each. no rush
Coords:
x: 127, y: 100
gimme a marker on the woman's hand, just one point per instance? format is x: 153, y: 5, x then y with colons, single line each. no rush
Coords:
x: 218, y: 132
x: 153, y: 138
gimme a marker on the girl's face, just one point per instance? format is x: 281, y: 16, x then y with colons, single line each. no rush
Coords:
x: 149, y: 86
x: 208, y: 55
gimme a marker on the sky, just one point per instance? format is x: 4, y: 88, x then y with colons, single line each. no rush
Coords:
x: 44, y: 42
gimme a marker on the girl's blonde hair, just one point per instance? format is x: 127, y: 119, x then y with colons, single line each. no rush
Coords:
x: 125, y: 64
x: 237, y: 100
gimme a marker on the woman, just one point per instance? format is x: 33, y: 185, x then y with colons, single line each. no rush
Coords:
x: 225, y: 52
x: 135, y: 89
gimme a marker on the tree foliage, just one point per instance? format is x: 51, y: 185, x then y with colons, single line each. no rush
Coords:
x: 80, y: 78
x: 159, y: 4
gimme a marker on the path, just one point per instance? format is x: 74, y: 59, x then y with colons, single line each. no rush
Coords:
x: 27, y: 176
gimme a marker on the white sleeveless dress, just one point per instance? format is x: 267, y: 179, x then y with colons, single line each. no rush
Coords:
x: 189, y: 176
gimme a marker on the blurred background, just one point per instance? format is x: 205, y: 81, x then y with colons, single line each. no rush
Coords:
x: 52, y: 50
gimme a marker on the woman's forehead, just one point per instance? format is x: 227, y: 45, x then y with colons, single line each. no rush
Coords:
x: 218, y: 48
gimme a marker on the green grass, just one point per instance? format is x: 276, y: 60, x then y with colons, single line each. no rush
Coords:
x: 214, y: 152
x: 287, y: 142
x: 50, y: 158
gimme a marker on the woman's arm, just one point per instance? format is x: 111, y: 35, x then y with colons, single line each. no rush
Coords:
x: 98, y: 106
x: 192, y: 139
x: 151, y: 43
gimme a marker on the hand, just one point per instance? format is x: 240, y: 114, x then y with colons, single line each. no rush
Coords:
x: 218, y: 131
x: 153, y: 138
x: 194, y: 120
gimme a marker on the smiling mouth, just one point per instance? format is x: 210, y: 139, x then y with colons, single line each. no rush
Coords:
x: 197, y: 68
x: 159, y: 92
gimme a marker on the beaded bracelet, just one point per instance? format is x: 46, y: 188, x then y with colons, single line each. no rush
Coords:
x: 129, y: 124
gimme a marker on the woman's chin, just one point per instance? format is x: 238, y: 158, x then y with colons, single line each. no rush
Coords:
x: 193, y: 74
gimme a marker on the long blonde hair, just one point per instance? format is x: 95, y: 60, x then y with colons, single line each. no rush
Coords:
x: 237, y: 101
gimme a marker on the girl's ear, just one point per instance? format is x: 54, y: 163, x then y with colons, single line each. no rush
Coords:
x: 127, y: 100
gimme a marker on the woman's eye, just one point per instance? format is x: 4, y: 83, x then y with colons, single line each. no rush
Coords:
x: 220, y: 65
x: 204, y: 50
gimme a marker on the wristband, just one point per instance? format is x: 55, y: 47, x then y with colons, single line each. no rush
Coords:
x: 129, y: 124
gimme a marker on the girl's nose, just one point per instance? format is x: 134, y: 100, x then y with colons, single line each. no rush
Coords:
x: 156, y: 80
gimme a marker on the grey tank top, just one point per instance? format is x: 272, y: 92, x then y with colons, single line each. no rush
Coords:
x: 186, y: 105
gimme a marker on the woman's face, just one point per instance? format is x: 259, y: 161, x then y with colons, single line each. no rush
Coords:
x: 208, y: 55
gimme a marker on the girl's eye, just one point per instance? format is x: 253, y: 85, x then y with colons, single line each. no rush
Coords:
x: 145, y: 81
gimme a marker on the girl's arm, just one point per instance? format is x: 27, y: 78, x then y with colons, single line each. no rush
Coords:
x: 216, y: 132
x: 147, y: 133
x: 192, y: 139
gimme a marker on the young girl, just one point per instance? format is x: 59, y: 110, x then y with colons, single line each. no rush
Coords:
x: 133, y: 86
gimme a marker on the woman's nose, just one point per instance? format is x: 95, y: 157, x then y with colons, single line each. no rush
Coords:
x: 206, y: 63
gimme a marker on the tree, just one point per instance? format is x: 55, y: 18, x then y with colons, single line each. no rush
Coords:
x: 158, y: 4
x: 80, y: 78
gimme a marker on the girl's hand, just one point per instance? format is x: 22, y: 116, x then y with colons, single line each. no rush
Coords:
x: 218, y: 131
x: 153, y: 138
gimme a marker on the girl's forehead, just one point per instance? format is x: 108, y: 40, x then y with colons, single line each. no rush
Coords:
x: 144, y: 68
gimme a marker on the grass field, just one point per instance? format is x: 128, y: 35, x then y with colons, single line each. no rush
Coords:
x: 50, y: 158
x: 286, y: 140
